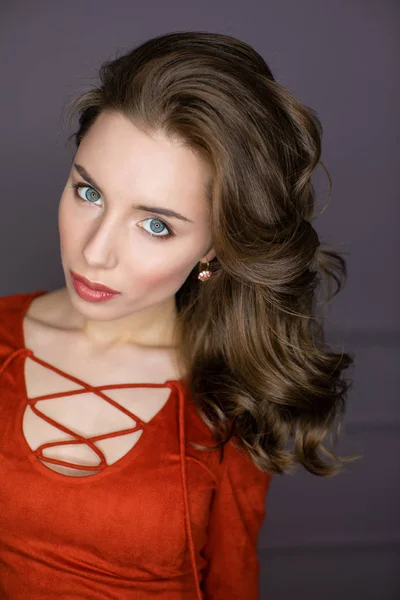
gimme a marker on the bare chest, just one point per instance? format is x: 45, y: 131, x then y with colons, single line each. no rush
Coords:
x: 88, y: 404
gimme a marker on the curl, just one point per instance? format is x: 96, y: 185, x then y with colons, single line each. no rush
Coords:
x: 251, y: 340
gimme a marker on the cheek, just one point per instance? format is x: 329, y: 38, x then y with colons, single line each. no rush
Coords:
x: 67, y: 226
x: 62, y: 222
x: 62, y: 229
x: 165, y: 275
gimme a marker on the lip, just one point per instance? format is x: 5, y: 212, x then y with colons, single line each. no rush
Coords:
x: 93, y: 285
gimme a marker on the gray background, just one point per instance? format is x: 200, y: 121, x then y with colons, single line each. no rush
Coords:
x: 325, y: 538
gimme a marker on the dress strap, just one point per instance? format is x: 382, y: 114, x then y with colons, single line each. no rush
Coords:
x: 185, y: 486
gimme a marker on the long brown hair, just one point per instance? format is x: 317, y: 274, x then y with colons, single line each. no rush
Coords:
x: 251, y: 338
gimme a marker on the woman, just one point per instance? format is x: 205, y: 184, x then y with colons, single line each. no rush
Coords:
x: 146, y: 405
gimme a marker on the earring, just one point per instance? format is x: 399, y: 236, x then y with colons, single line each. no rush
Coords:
x: 204, y: 274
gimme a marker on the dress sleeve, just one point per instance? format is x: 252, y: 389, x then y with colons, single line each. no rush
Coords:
x: 237, y: 513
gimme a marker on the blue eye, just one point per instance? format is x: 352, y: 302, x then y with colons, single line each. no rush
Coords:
x: 158, y: 226
x: 92, y: 196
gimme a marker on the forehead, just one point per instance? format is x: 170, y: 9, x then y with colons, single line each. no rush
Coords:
x: 130, y: 163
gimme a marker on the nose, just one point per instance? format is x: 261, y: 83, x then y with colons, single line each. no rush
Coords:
x: 100, y: 249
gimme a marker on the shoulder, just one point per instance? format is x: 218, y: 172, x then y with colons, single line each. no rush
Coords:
x: 14, y: 302
x: 234, y: 465
x: 12, y: 309
x: 50, y: 308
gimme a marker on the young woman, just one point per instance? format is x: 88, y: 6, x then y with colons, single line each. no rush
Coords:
x: 146, y: 405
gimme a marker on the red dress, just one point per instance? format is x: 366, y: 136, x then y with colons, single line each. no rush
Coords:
x: 166, y: 521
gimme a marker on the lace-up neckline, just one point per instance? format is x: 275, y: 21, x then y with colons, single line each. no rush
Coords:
x: 77, y: 438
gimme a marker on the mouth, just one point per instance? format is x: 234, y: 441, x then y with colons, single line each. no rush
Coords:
x: 93, y: 285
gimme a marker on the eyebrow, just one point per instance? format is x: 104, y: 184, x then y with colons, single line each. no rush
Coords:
x: 167, y: 212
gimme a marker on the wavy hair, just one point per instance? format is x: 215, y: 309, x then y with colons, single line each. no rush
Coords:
x: 250, y: 338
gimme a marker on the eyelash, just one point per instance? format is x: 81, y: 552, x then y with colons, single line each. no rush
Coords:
x: 170, y: 234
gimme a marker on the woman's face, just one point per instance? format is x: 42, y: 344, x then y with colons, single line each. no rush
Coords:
x: 108, y: 238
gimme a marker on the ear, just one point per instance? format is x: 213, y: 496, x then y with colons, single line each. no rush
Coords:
x: 208, y: 257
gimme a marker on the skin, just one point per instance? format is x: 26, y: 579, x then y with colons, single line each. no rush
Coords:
x: 109, y: 242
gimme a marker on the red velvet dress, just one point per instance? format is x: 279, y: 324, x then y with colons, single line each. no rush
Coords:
x: 166, y: 521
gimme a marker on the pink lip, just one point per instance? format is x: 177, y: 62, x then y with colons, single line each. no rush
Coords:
x: 93, y: 285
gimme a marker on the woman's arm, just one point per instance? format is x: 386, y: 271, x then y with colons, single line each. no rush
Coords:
x: 237, y: 513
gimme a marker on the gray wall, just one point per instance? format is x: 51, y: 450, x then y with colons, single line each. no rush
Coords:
x: 325, y: 538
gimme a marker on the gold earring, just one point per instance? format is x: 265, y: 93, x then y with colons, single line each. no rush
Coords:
x: 204, y: 274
